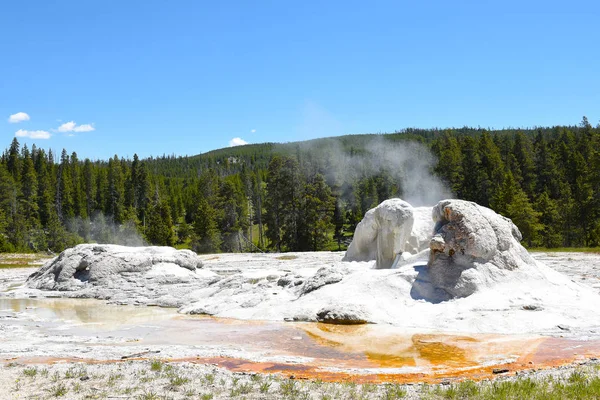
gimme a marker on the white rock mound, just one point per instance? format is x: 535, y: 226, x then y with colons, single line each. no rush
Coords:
x: 472, y: 248
x: 382, y: 234
x: 422, y: 230
x: 146, y: 275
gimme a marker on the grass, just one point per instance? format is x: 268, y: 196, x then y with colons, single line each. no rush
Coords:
x: 393, y: 392
x: 566, y: 249
x: 245, y: 388
x: 30, y: 372
x: 148, y: 396
x: 19, y: 260
x: 209, y: 378
x: 287, y: 257
x: 178, y: 380
x: 59, y: 390
x: 156, y: 365
x: 173, y: 381
x: 578, y: 385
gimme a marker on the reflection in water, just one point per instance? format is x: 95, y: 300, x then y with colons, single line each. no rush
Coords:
x: 85, y: 311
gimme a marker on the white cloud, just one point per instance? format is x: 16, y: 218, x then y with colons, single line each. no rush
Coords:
x: 71, y: 126
x: 253, y: 131
x: 237, y: 142
x: 33, y: 134
x: 18, y: 117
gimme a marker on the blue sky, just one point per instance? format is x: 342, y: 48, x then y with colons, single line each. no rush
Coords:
x: 185, y: 77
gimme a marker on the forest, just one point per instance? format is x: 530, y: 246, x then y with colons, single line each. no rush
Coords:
x: 301, y: 196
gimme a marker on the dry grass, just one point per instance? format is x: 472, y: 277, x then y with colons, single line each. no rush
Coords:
x: 19, y: 260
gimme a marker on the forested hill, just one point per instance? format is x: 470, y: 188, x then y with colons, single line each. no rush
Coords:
x: 303, y: 195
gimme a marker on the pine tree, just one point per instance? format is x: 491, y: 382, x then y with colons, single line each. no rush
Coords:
x: 64, y: 190
x: 525, y: 217
x: 318, y: 207
x: 14, y: 161
x: 450, y: 162
x: 159, y: 230
x: 115, y: 195
x: 283, y: 203
x: 208, y: 237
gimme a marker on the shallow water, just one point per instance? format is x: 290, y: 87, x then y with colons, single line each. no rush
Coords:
x: 313, y: 349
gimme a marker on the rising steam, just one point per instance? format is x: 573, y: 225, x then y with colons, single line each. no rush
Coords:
x: 409, y: 163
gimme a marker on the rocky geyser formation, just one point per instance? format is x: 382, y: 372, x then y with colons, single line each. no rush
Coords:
x: 472, y: 247
x: 146, y: 275
x: 382, y: 234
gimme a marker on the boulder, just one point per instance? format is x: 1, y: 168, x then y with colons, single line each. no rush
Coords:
x: 347, y: 315
x: 472, y: 248
x: 382, y: 234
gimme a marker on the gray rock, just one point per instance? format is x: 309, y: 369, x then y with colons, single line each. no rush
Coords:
x: 472, y: 248
x: 347, y: 315
x: 324, y: 276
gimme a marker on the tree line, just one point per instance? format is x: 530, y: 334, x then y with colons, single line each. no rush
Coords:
x: 288, y: 198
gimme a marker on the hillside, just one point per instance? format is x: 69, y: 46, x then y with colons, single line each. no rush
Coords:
x: 302, y: 195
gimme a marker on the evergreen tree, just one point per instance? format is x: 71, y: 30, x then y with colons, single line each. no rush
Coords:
x: 283, y: 203
x: 159, y: 230
x: 208, y: 237
x: 525, y: 217
x: 317, y: 214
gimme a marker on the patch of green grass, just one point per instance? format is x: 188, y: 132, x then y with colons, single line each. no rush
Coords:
x: 287, y: 257
x: 59, y: 390
x: 577, y: 386
x: 7, y: 266
x: 566, y: 249
x: 207, y: 396
x: 393, y: 392
x: 178, y: 380
x: 150, y: 395
x: 22, y: 260
x: 209, y: 378
x: 369, y: 388
x: 244, y: 388
x: 289, y: 388
x: 71, y: 373
x: 156, y: 365
x: 113, y: 378
x: 30, y: 372
x: 129, y: 390
x: 55, y: 376
x: 264, y: 387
